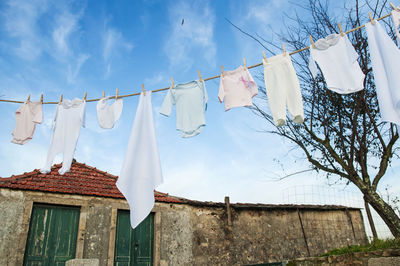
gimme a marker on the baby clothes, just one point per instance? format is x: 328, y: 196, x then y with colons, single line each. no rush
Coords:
x: 141, y: 169
x: 27, y: 116
x: 191, y: 102
x: 337, y: 59
x: 108, y: 115
x: 396, y: 21
x: 237, y: 88
x: 283, y: 88
x: 385, y: 61
x: 69, y: 118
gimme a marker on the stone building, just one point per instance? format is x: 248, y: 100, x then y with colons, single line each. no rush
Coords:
x: 49, y: 219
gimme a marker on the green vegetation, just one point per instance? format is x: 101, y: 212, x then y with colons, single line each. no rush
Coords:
x: 374, y: 245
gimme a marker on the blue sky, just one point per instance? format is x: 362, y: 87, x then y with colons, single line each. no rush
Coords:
x: 69, y: 47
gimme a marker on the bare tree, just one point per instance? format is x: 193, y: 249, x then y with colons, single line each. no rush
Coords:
x: 342, y: 135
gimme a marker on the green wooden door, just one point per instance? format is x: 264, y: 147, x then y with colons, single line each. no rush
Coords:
x: 52, y: 235
x: 133, y: 247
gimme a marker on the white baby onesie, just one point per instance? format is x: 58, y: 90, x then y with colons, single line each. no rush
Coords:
x: 69, y: 118
x: 108, y: 115
x: 385, y: 61
x: 27, y: 116
x: 337, y: 59
x: 283, y: 89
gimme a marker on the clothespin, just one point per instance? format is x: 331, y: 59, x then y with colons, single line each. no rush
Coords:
x: 340, y: 29
x: 200, y: 75
x: 41, y: 98
x: 222, y: 70
x: 172, y: 82
x: 265, y: 57
x: 144, y: 91
x: 372, y: 20
x: 393, y: 6
x: 312, y: 42
x: 29, y: 98
x: 61, y: 98
x: 84, y: 97
x: 244, y: 62
x: 116, y: 93
x: 104, y: 94
x: 284, y: 48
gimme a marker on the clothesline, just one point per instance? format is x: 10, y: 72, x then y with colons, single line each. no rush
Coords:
x: 206, y: 79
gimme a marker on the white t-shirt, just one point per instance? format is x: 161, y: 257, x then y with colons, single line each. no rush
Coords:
x: 337, y: 60
x: 108, y: 115
x: 26, y: 117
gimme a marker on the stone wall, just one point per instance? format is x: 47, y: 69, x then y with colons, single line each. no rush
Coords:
x: 373, y: 258
x: 194, y: 233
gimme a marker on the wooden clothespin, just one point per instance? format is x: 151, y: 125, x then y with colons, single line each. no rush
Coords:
x: 41, y: 98
x: 172, y: 82
x: 312, y: 42
x: 143, y: 89
x: 29, y: 98
x: 265, y: 57
x: 200, y: 75
x: 244, y: 63
x: 104, y: 94
x: 222, y: 70
x: 393, y: 6
x: 61, y: 99
x: 284, y: 48
x: 116, y: 93
x: 340, y: 29
x: 370, y: 17
x: 84, y: 97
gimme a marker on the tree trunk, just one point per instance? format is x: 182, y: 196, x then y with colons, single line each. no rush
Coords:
x: 384, y: 210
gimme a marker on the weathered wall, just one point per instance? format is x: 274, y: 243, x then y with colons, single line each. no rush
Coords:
x: 187, y: 234
x: 11, y: 216
x: 97, y: 232
x: 386, y: 257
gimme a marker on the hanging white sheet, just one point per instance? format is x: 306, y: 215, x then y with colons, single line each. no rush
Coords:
x: 141, y: 169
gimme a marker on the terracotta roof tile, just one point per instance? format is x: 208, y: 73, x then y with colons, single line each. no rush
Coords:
x: 81, y: 180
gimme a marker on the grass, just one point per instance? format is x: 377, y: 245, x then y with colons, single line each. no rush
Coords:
x: 374, y: 245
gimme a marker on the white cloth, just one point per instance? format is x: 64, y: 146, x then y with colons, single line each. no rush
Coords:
x: 69, y: 118
x: 337, y: 59
x: 107, y: 115
x: 141, y: 169
x: 26, y: 117
x: 396, y: 21
x: 283, y: 88
x: 385, y: 60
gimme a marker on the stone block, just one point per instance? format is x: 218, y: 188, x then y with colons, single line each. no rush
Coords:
x: 388, y: 261
x: 82, y: 262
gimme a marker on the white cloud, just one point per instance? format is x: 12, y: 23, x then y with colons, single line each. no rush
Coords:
x: 20, y: 23
x: 194, y: 37
x: 73, y: 71
x: 25, y: 22
x: 67, y: 23
x: 159, y: 79
x: 113, y: 44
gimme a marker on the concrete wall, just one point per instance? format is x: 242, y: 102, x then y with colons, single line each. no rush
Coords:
x: 187, y: 234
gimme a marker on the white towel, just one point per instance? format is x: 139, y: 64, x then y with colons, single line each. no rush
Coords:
x: 385, y: 61
x: 141, y: 170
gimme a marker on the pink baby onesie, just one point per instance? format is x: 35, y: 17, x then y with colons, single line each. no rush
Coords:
x: 237, y: 88
x: 27, y: 116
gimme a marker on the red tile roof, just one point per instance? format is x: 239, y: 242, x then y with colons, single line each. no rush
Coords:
x: 80, y: 180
